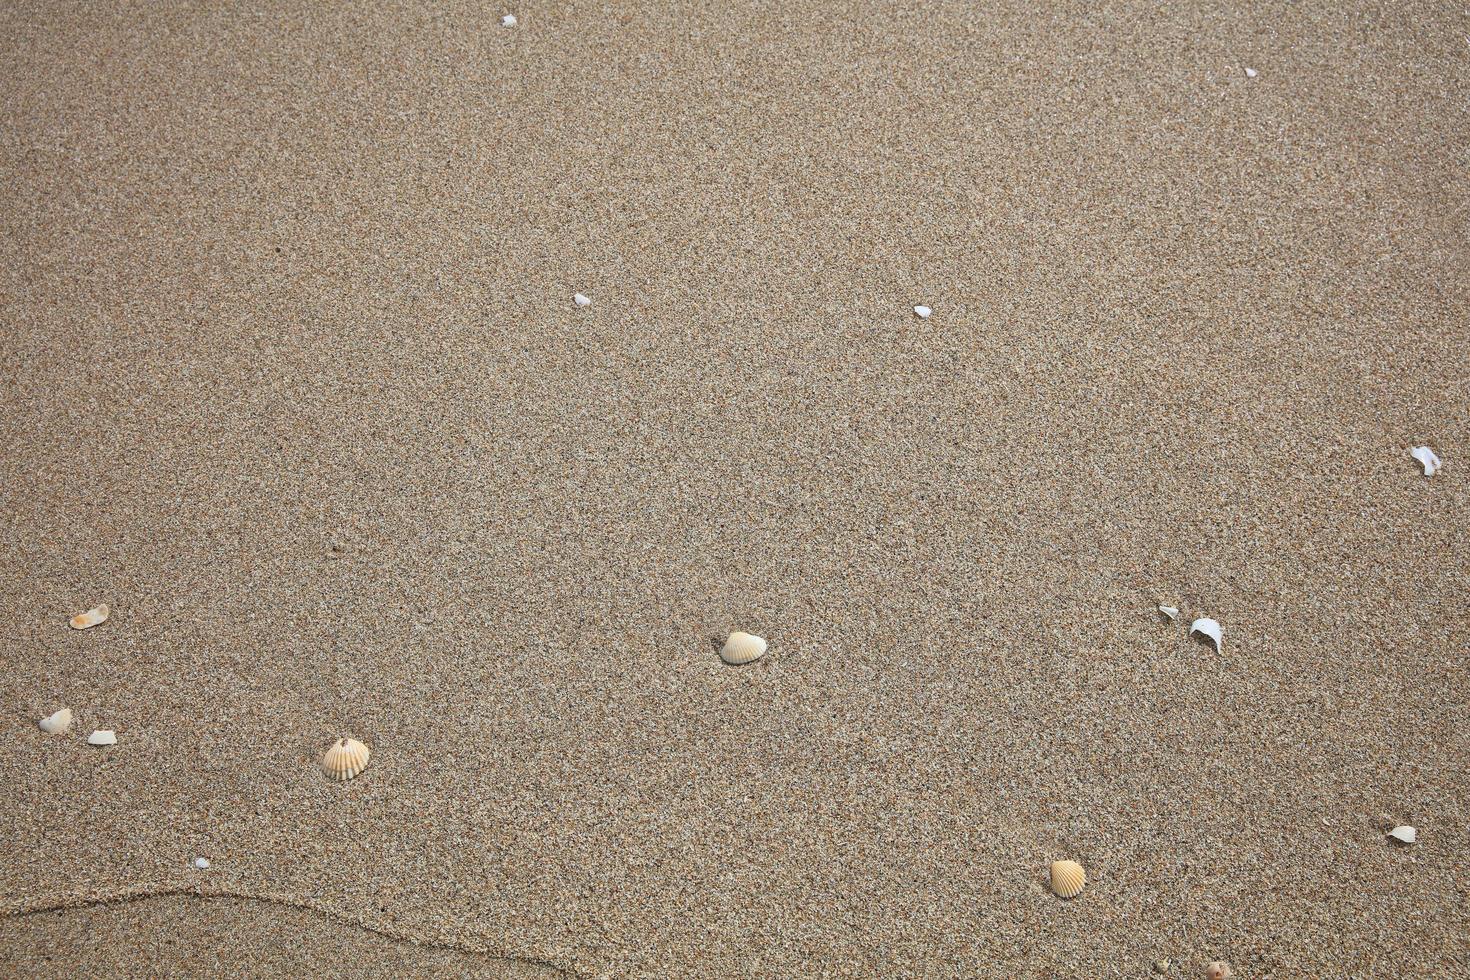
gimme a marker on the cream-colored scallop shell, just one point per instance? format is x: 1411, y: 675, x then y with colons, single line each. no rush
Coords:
x: 742, y: 648
x: 90, y: 618
x: 57, y: 722
x: 1067, y: 878
x: 346, y: 758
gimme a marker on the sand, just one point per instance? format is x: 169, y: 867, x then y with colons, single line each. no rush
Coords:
x: 294, y: 381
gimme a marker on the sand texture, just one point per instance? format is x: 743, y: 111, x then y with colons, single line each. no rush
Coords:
x: 293, y: 381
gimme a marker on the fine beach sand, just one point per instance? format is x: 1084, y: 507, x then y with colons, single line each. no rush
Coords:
x: 293, y: 380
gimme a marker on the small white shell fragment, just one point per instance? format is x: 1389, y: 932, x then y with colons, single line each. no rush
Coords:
x: 923, y: 312
x: 1207, y: 627
x: 200, y: 864
x: 581, y: 300
x: 102, y: 736
x: 1171, y: 611
x: 1426, y: 456
x: 1404, y: 835
x: 1250, y: 73
x: 345, y: 759
x: 90, y: 618
x: 509, y: 20
x: 742, y: 648
x: 57, y: 722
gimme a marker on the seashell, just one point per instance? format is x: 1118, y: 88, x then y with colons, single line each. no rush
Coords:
x: 1170, y: 611
x: 581, y: 300
x: 1250, y: 73
x: 1207, y: 627
x: 509, y: 20
x: 1426, y: 456
x: 200, y: 864
x: 103, y: 736
x: 57, y: 722
x: 1404, y: 835
x: 90, y: 618
x: 1067, y: 878
x: 742, y: 648
x: 1218, y: 970
x: 346, y: 758
x: 923, y: 312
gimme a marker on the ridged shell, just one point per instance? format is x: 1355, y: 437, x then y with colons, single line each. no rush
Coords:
x: 90, y: 618
x: 1067, y: 878
x: 1207, y: 627
x: 742, y: 648
x: 102, y: 736
x: 57, y: 722
x: 346, y: 758
x: 1218, y: 970
x: 1404, y: 835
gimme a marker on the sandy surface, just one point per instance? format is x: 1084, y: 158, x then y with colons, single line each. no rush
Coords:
x: 287, y: 280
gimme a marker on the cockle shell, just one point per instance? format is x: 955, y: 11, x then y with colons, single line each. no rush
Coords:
x: 1067, y: 878
x: 346, y: 758
x: 1218, y: 970
x: 923, y: 312
x: 1404, y: 835
x: 1171, y: 611
x: 57, y: 722
x: 742, y: 648
x: 1207, y: 627
x: 90, y: 618
x: 1426, y: 456
x: 103, y: 736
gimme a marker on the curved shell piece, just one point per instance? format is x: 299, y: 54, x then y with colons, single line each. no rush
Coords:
x: 1209, y: 628
x: 1067, y: 878
x: 1171, y: 612
x: 923, y: 312
x: 346, y: 758
x: 102, y: 736
x: 90, y: 618
x: 582, y: 300
x: 57, y: 722
x: 1404, y: 835
x: 1427, y: 459
x: 1218, y: 970
x: 742, y: 648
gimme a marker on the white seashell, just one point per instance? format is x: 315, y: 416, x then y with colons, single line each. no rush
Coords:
x: 1250, y: 73
x: 201, y: 864
x: 57, y: 722
x: 103, y: 736
x: 1207, y: 627
x: 1404, y: 835
x: 581, y: 300
x: 90, y: 618
x: 1218, y: 970
x: 923, y: 312
x: 1171, y: 611
x: 346, y: 758
x: 1067, y: 878
x: 742, y: 648
x: 509, y: 20
x: 1426, y: 456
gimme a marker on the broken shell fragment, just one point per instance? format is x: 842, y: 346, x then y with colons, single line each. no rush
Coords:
x: 742, y: 648
x: 1172, y: 612
x: 103, y: 736
x: 1067, y: 878
x: 1209, y: 628
x: 1250, y: 73
x: 90, y: 618
x: 923, y: 312
x: 200, y: 864
x: 57, y: 722
x: 346, y: 758
x: 1404, y: 835
x: 509, y: 20
x: 1218, y: 970
x: 1426, y: 457
x: 581, y: 300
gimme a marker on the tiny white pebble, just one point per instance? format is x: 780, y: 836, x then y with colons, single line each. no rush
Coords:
x: 1250, y: 73
x: 201, y: 864
x: 581, y: 300
x: 509, y: 20
x: 923, y: 312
